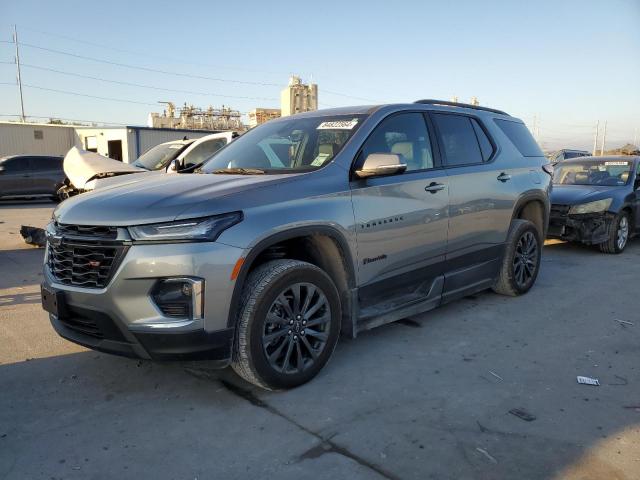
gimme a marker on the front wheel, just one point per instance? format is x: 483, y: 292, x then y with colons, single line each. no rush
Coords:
x: 521, y: 261
x: 618, y: 235
x: 288, y: 326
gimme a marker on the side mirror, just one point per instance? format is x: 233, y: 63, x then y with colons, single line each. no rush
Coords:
x: 174, y: 166
x: 379, y: 164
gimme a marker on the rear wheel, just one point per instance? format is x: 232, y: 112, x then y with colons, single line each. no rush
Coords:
x: 289, y: 324
x: 618, y: 234
x: 521, y: 261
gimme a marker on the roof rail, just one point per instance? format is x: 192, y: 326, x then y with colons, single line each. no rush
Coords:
x: 431, y: 101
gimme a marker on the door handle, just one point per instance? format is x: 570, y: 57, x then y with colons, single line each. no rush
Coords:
x: 504, y: 177
x: 434, y: 187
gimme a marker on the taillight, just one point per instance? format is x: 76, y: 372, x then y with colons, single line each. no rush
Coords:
x: 548, y: 168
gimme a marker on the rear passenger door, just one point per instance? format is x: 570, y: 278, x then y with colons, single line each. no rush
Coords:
x: 481, y: 201
x: 46, y: 174
x: 401, y: 220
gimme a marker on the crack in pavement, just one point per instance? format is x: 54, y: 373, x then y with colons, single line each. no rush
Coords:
x: 326, y: 446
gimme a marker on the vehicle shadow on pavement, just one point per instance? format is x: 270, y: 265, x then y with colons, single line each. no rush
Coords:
x: 21, y: 267
x: 26, y: 204
x: 19, y: 299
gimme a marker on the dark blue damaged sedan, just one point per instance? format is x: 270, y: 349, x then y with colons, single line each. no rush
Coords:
x: 596, y: 201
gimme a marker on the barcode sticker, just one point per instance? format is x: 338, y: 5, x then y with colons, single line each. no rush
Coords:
x: 338, y: 125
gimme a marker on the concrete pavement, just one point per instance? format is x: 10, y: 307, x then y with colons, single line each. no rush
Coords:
x: 422, y: 398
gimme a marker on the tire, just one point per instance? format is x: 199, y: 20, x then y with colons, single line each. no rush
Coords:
x: 291, y: 356
x: 618, y: 232
x: 521, y: 262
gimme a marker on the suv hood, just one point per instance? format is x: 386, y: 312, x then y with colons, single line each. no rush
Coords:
x: 141, y: 199
x: 576, y: 194
x: 81, y: 167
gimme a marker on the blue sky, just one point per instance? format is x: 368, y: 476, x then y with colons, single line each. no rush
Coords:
x: 568, y: 63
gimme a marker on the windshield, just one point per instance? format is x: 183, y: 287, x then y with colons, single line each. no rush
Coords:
x: 160, y: 156
x: 608, y: 173
x: 284, y: 146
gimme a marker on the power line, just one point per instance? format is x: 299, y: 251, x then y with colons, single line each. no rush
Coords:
x: 56, y: 117
x: 178, y: 74
x: 349, y: 96
x: 111, y: 99
x: 145, y: 54
x: 145, y: 69
x: 139, y: 85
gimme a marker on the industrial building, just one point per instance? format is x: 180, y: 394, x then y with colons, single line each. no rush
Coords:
x: 35, y: 139
x: 194, y: 118
x: 124, y: 143
x: 258, y: 116
x: 298, y: 97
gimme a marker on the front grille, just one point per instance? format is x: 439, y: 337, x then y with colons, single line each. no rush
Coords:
x: 106, y: 233
x: 82, y: 325
x: 85, y: 256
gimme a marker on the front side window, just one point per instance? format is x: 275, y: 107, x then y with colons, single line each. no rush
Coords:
x: 459, y: 140
x: 404, y: 134
x: 20, y: 164
x: 606, y: 173
x: 287, y: 146
x: 202, y: 152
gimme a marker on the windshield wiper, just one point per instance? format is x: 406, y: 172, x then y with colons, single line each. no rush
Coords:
x: 239, y: 171
x: 139, y: 165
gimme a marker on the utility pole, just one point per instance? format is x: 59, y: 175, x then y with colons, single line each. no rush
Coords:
x: 604, y: 139
x: 635, y: 137
x: 535, y: 127
x: 595, y: 139
x: 15, y: 39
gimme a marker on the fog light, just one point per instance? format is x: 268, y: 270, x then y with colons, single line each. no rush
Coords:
x: 180, y: 297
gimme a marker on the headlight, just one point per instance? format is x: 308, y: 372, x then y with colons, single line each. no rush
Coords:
x: 591, y: 207
x: 198, y: 229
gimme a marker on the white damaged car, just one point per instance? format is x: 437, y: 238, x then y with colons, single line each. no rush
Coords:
x: 87, y: 171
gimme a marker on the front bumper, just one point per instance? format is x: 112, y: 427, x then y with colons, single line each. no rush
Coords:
x: 590, y: 228
x: 123, y: 319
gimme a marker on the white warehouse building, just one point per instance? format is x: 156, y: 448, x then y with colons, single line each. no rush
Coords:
x: 125, y: 143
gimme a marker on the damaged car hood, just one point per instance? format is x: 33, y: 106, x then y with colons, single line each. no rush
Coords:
x: 150, y: 198
x: 576, y: 194
x: 82, y: 167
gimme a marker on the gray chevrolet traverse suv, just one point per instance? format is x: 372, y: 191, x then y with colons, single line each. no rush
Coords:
x: 305, y: 228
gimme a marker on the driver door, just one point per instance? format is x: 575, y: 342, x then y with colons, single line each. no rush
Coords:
x: 401, y: 220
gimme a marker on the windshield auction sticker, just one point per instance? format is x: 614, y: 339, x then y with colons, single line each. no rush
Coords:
x: 616, y: 164
x: 338, y: 125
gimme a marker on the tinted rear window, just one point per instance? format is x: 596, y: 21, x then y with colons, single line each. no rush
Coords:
x: 520, y: 136
x: 458, y: 138
x: 483, y: 140
x: 46, y: 163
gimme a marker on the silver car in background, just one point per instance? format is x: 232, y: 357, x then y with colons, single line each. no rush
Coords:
x: 306, y: 227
